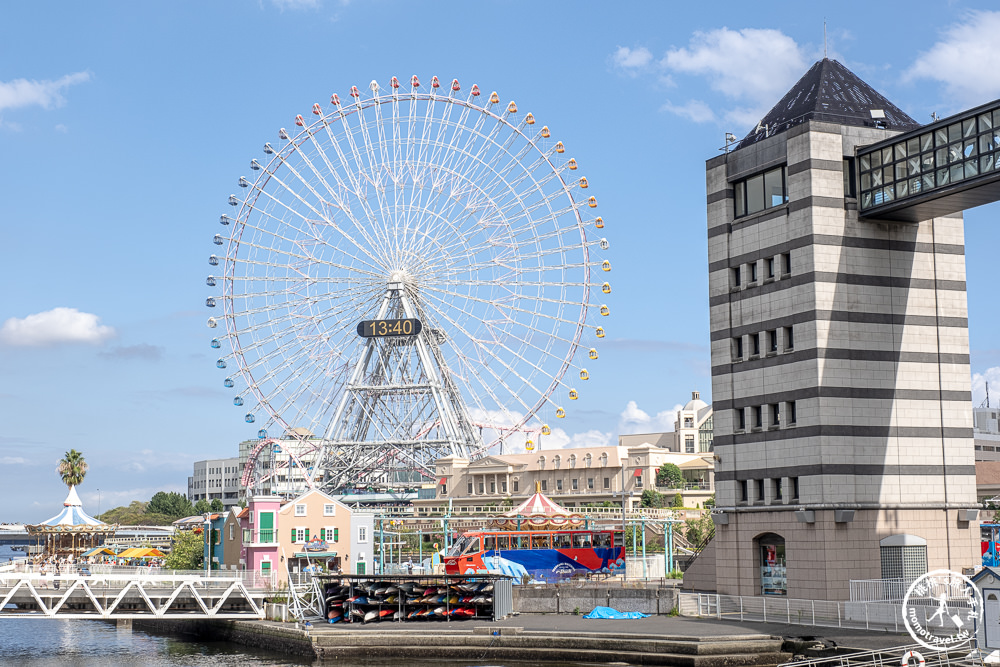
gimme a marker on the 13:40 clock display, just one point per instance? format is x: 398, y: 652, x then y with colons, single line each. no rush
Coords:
x: 385, y: 328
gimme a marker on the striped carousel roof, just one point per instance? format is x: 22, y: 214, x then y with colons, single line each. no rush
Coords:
x: 72, y: 518
x: 538, y: 505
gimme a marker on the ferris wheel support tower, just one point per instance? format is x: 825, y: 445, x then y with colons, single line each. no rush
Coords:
x: 399, y: 412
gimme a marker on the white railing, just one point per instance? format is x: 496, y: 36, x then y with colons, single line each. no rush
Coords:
x: 822, y: 613
x: 250, y: 579
x: 879, y: 590
x: 893, y: 657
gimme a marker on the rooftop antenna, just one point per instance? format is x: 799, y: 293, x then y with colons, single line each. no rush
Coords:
x: 986, y: 403
x: 730, y: 140
x: 934, y: 117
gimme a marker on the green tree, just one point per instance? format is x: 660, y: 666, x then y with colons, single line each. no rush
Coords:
x: 187, y: 551
x: 652, y: 498
x: 670, y: 476
x: 677, y: 501
x: 170, y: 504
x: 202, y: 507
x: 72, y: 468
x: 710, y: 503
x: 217, y: 505
x: 698, y: 530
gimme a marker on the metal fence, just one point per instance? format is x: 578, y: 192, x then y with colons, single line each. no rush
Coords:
x: 821, y: 613
x: 879, y: 590
x: 893, y: 657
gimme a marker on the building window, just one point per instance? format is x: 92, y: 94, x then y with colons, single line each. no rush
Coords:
x: 735, y: 276
x: 772, y: 341
x: 545, y: 485
x: 515, y: 483
x: 574, y: 484
x: 590, y: 483
x: 638, y: 481
x: 607, y: 482
x: 754, y: 345
x: 744, y: 494
x: 300, y: 510
x: 769, y: 267
x: 572, y: 460
x: 760, y: 192
x: 775, y: 414
x: 604, y: 459
x: 362, y: 533
x: 741, y: 420
x: 493, y: 487
x: 904, y: 562
x: 849, y: 178
x: 777, y: 489
x: 758, y: 419
x: 760, y: 490
x: 791, y: 412
x: 753, y: 272
x: 329, y: 510
x: 786, y: 264
x: 470, y: 488
x: 738, y: 348
x: 587, y: 460
x: 689, y: 422
x: 444, y: 489
x: 795, y: 487
x: 558, y: 485
x: 789, y: 339
x: 556, y: 461
x: 689, y: 444
x: 299, y: 535
x: 482, y: 488
x: 503, y: 486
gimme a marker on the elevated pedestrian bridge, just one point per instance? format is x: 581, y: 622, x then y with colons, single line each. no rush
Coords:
x: 132, y: 593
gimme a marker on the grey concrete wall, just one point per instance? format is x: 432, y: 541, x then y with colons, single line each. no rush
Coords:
x: 570, y: 598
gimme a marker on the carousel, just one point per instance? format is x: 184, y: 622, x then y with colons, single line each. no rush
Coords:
x: 539, y: 512
x: 71, y: 532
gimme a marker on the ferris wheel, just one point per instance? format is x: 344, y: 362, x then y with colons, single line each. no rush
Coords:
x: 410, y: 273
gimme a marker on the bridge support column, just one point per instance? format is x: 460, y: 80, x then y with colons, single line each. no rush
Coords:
x: 124, y: 625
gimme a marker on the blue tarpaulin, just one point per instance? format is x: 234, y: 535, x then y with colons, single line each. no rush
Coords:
x: 608, y: 612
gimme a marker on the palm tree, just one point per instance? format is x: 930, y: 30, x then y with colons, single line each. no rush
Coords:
x: 72, y: 468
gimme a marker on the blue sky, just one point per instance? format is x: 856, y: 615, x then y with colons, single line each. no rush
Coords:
x: 124, y: 126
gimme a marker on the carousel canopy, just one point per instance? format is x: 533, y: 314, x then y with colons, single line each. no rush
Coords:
x: 540, y: 511
x: 72, y: 519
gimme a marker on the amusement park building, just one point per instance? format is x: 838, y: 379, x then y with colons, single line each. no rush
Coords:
x: 840, y: 349
x: 575, y: 478
x: 273, y: 536
x: 215, y: 478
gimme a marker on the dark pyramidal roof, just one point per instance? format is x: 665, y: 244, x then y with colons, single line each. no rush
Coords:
x: 829, y: 92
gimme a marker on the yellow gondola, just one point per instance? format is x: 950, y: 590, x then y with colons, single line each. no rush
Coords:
x: 599, y: 222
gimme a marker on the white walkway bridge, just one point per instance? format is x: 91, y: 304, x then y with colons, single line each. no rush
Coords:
x: 104, y: 592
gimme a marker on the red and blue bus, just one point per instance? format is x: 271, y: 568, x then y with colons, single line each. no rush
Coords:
x: 544, y: 555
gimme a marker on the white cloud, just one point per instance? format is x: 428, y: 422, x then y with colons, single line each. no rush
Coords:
x: 979, y: 380
x: 13, y: 460
x: 61, y: 128
x: 559, y: 439
x: 296, y: 4
x: 751, y: 67
x: 631, y: 60
x: 46, y: 94
x: 965, y: 60
x: 695, y: 111
x: 53, y: 327
x: 634, y: 419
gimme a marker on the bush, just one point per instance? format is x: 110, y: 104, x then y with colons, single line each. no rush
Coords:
x: 678, y: 501
x: 670, y: 475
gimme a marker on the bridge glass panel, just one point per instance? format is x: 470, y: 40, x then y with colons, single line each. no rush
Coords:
x: 943, y: 155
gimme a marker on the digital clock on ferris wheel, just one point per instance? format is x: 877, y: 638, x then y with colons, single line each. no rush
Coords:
x: 386, y: 328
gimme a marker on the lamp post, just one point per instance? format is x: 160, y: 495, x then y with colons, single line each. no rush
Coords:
x: 208, y: 537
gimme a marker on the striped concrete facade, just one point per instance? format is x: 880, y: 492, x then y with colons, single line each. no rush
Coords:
x: 872, y: 357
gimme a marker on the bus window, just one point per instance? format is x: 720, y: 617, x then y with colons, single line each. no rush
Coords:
x: 602, y: 540
x: 540, y: 541
x: 581, y: 540
x: 489, y: 542
x: 473, y: 545
x: 619, y: 539
x: 563, y: 540
x: 503, y: 542
x: 459, y: 546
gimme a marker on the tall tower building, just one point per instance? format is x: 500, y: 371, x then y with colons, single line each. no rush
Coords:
x: 840, y: 359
